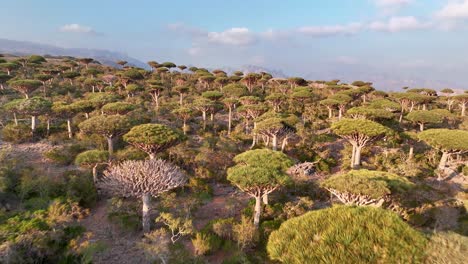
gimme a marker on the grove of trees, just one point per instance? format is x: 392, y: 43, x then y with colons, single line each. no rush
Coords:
x: 184, y: 164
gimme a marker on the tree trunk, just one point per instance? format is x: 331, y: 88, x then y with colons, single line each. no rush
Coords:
x: 274, y: 142
x: 33, y: 123
x: 204, y: 119
x: 48, y: 126
x: 330, y: 112
x: 184, y: 127
x: 230, y: 120
x: 421, y: 127
x: 181, y: 99
x: 156, y: 100
x: 357, y: 158
x: 411, y: 152
x: 146, y: 212
x: 258, y: 210
x: 463, y: 109
x: 443, y: 160
x: 340, y: 113
x: 15, y: 118
x: 285, y: 142
x: 353, y: 154
x: 152, y: 156
x: 70, y: 133
x: 265, y: 198
x: 254, y: 136
x: 110, y: 145
x: 95, y: 179
x: 86, y: 115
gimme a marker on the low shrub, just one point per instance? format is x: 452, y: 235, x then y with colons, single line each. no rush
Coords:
x: 343, y: 234
x: 205, y: 243
x: 245, y: 233
x: 18, y: 134
x: 223, y: 227
x: 447, y: 248
x: 124, y: 214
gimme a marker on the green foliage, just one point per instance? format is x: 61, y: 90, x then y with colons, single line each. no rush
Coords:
x: 370, y: 113
x: 80, y: 188
x: 107, y: 126
x: 223, y: 228
x: 446, y: 139
x: 375, y: 184
x: 205, y: 243
x: 447, y: 248
x: 34, y: 106
x: 64, y: 155
x: 118, y: 108
x: 124, y: 213
x: 424, y: 117
x: 91, y: 157
x: 245, y: 233
x: 153, y: 138
x: 349, y: 127
x: 20, y: 133
x: 346, y: 235
x: 251, y: 172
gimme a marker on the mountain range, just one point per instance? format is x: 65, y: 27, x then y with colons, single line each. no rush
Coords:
x: 345, y: 72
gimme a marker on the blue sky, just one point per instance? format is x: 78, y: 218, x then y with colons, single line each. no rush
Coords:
x: 373, y: 39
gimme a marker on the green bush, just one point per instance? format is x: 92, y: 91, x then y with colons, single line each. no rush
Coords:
x: 345, y: 234
x: 81, y: 188
x: 245, y: 233
x: 64, y: 155
x: 371, y: 185
x: 130, y: 153
x: 124, y: 214
x: 223, y: 227
x: 205, y: 243
x: 20, y: 133
x: 447, y: 248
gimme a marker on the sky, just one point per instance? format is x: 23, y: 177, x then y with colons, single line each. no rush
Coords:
x: 373, y: 39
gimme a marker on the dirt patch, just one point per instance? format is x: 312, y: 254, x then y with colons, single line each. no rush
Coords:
x: 121, y: 247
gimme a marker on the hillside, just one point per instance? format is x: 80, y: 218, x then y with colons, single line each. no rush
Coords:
x: 183, y: 164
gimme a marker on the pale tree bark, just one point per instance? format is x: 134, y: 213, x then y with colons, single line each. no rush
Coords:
x: 33, y: 123
x: 353, y: 154
x: 274, y: 142
x: 146, y: 220
x: 230, y: 121
x: 204, y: 119
x: 443, y: 160
x: 15, y: 118
x: 70, y: 133
x: 110, y: 145
x: 411, y: 152
x: 357, y: 158
x: 258, y: 210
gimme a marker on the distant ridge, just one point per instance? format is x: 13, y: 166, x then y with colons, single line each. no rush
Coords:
x: 106, y: 57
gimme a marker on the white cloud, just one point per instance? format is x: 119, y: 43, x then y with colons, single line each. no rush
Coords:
x: 236, y: 36
x: 454, y: 10
x: 397, y: 24
x: 233, y: 36
x: 77, y: 28
x: 324, y: 31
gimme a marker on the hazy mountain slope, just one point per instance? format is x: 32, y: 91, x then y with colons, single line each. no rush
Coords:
x: 104, y: 56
